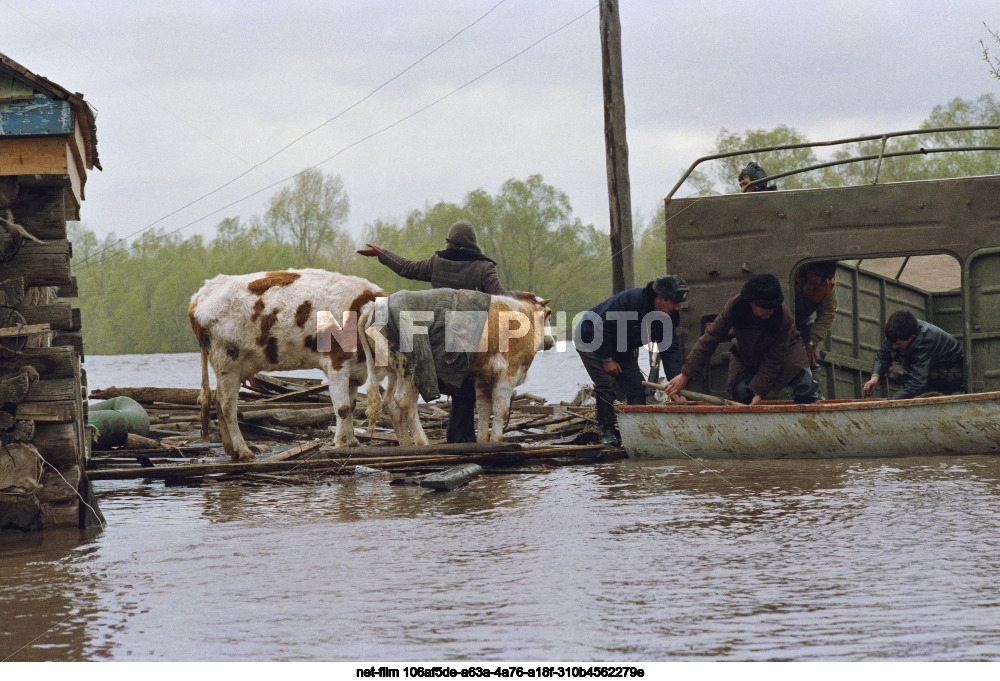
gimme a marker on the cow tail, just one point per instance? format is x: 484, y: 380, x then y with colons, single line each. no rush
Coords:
x: 373, y: 393
x: 205, y: 397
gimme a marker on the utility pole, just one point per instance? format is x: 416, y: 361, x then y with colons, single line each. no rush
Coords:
x: 616, y: 148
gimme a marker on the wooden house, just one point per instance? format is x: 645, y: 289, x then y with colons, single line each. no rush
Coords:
x: 48, y: 143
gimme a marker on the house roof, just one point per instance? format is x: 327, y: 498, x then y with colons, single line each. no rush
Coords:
x: 85, y: 114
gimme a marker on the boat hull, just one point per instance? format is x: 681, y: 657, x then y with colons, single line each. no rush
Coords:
x: 956, y: 424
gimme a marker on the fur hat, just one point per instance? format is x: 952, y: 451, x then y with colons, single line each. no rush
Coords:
x: 763, y: 290
x: 823, y: 268
x: 462, y: 235
x: 753, y: 171
x: 671, y: 287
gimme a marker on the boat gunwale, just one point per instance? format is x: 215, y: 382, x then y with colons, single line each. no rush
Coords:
x: 824, y: 406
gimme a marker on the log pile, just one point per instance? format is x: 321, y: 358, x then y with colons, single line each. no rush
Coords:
x: 40, y: 347
x: 288, y: 421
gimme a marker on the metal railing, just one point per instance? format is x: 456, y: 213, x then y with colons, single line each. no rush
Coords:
x: 857, y: 159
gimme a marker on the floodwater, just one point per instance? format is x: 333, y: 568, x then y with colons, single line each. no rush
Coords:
x: 623, y: 561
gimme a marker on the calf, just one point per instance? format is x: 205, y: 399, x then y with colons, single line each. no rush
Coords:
x: 268, y: 320
x: 515, y: 329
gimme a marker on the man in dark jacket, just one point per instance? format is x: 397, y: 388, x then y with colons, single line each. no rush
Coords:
x: 462, y: 265
x: 933, y: 358
x: 749, y: 179
x: 766, y: 353
x: 610, y: 333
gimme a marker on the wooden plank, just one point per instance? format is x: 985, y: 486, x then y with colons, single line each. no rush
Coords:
x: 39, y: 115
x: 27, y: 330
x: 34, y: 155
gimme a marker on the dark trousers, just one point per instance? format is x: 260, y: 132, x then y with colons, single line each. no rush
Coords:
x: 804, y: 389
x: 462, y: 417
x: 607, y: 388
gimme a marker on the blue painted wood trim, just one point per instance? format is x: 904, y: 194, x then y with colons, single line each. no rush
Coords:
x: 39, y: 115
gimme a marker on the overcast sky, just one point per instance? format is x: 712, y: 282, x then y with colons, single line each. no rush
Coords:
x: 190, y: 95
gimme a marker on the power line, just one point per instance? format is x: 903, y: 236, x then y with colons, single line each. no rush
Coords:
x: 294, y: 141
x: 90, y: 261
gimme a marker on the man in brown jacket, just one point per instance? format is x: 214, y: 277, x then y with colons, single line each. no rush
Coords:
x: 815, y: 294
x: 461, y: 265
x: 767, y: 352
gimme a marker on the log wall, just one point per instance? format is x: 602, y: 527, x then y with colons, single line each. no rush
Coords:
x: 55, y: 403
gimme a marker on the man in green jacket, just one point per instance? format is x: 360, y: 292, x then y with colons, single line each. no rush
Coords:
x: 462, y: 265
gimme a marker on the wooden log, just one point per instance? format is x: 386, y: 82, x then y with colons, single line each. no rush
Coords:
x: 59, y: 316
x: 293, y: 452
x: 267, y: 431
x: 50, y: 362
x: 55, y: 389
x: 294, y: 418
x: 44, y: 264
x: 41, y: 211
x: 70, y: 290
x: 452, y: 478
x: 58, y: 443
x: 56, y: 411
x: 192, y: 470
x: 290, y: 396
x: 185, y: 396
x: 326, y: 465
x: 422, y: 450
x: 72, y: 339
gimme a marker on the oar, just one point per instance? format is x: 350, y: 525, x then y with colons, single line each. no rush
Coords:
x: 699, y: 397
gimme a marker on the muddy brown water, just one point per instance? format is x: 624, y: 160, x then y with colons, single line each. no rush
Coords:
x: 639, y: 561
x: 623, y: 561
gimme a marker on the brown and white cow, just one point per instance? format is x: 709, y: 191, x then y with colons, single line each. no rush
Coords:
x: 515, y: 329
x: 268, y: 321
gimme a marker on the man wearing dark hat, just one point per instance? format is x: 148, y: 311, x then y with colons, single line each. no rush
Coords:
x: 610, y: 333
x: 749, y: 179
x: 815, y: 294
x: 766, y: 352
x: 462, y: 265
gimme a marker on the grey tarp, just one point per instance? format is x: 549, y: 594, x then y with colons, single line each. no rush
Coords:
x: 454, y: 322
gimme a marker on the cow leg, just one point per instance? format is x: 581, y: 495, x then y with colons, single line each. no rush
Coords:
x: 484, y: 401
x: 411, y: 415
x: 500, y: 405
x: 226, y: 396
x: 340, y: 396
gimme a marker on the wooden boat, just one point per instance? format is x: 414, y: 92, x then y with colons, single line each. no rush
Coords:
x: 952, y: 424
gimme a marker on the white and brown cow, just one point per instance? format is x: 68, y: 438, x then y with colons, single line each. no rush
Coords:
x: 515, y: 329
x: 268, y: 321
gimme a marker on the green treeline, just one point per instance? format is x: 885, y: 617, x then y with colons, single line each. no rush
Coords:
x: 134, y: 297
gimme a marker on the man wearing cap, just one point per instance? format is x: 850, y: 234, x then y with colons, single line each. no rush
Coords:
x: 766, y: 352
x: 815, y: 294
x: 749, y: 179
x: 610, y: 333
x: 462, y: 265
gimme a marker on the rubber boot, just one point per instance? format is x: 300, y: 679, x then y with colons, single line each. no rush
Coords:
x: 606, y: 422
